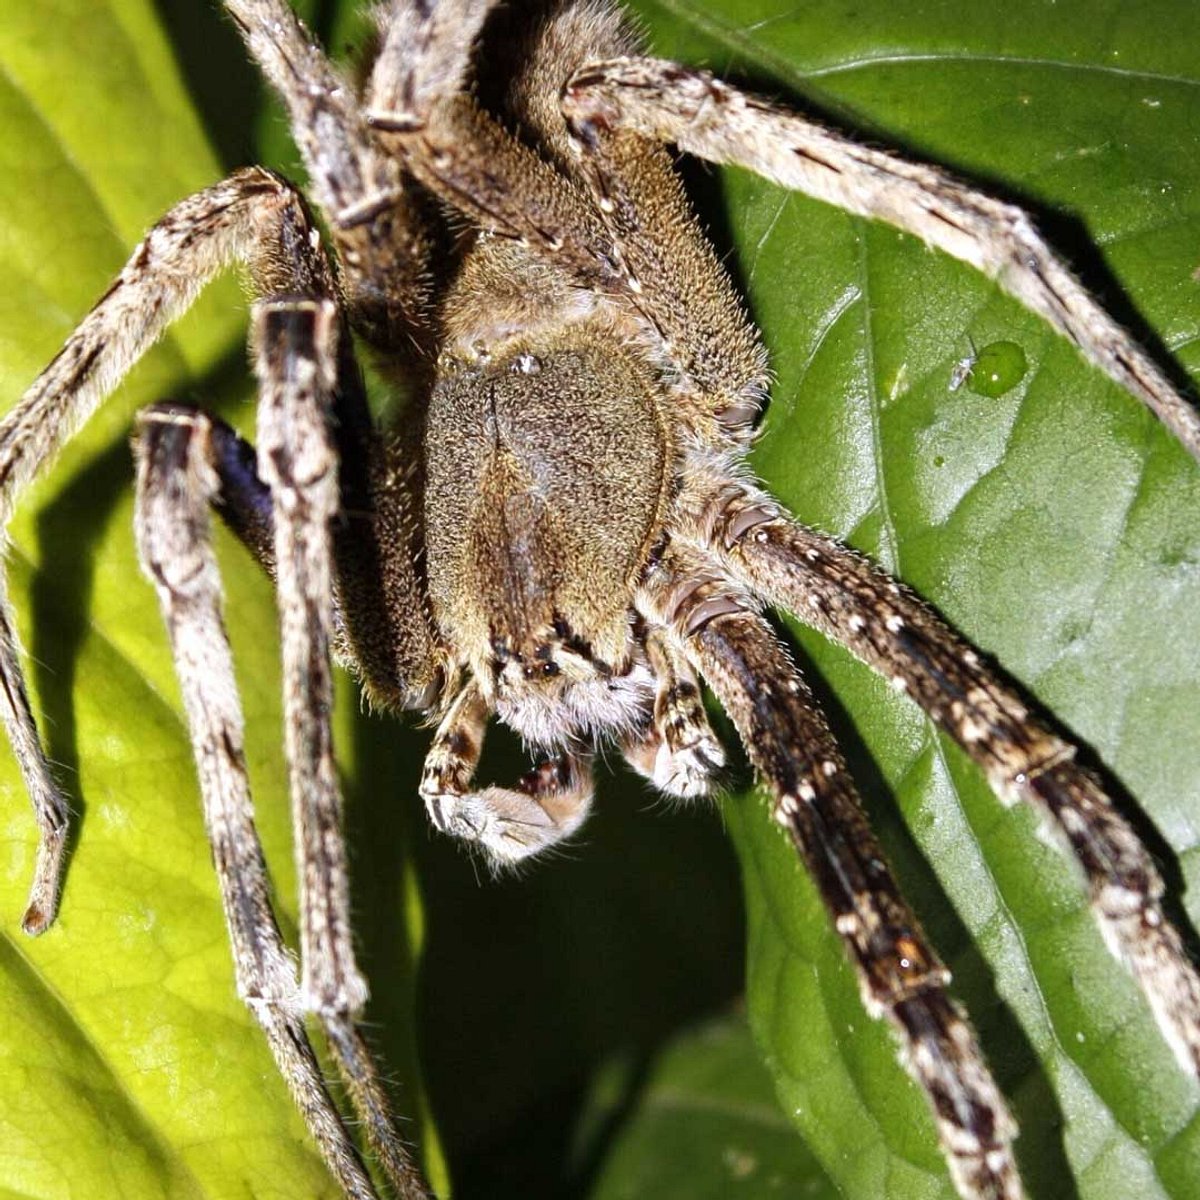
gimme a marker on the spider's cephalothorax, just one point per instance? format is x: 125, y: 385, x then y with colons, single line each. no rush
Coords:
x: 562, y: 532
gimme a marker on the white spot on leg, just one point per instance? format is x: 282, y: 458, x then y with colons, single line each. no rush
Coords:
x: 972, y: 731
x: 786, y: 809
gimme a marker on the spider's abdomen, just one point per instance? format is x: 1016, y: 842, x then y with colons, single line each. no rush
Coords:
x: 546, y: 479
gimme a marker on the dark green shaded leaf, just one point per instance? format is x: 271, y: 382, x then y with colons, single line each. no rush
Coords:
x: 699, y: 1121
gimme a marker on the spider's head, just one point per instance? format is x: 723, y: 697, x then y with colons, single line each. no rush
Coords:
x: 555, y: 689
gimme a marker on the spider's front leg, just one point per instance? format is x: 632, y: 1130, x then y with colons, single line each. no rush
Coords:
x: 297, y: 366
x: 177, y: 481
x: 549, y: 803
x: 814, y: 799
x: 665, y: 102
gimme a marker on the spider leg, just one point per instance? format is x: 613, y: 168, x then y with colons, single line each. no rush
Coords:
x: 245, y: 504
x: 845, y: 597
x: 679, y: 753
x: 177, y: 257
x: 417, y: 108
x: 711, y: 119
x: 425, y: 55
x: 297, y: 366
x: 242, y: 501
x: 549, y: 803
x: 814, y: 800
x: 380, y: 228
x: 253, y: 216
x: 381, y: 630
x: 176, y: 482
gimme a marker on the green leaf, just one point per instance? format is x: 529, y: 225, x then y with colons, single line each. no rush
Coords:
x: 699, y: 1122
x: 1055, y: 525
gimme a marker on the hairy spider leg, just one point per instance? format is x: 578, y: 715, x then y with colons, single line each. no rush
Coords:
x: 679, y: 753
x: 814, y: 799
x: 379, y: 228
x: 247, y: 218
x: 176, y: 484
x: 196, y: 239
x: 297, y: 364
x: 843, y: 596
x: 713, y: 120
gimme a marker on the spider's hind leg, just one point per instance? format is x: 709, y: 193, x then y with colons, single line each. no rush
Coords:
x: 382, y: 231
x: 844, y: 596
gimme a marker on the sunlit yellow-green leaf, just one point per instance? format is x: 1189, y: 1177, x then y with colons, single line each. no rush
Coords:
x: 128, y: 1067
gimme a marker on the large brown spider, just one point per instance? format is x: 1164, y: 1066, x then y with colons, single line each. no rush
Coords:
x: 744, y: 522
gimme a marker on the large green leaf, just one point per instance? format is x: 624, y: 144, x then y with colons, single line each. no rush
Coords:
x: 1055, y: 525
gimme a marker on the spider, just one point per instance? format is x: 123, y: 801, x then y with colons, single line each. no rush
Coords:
x: 171, y: 419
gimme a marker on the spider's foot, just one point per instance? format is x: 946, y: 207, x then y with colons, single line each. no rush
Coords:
x: 511, y: 824
x: 688, y: 771
x: 48, y: 868
x: 683, y: 766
